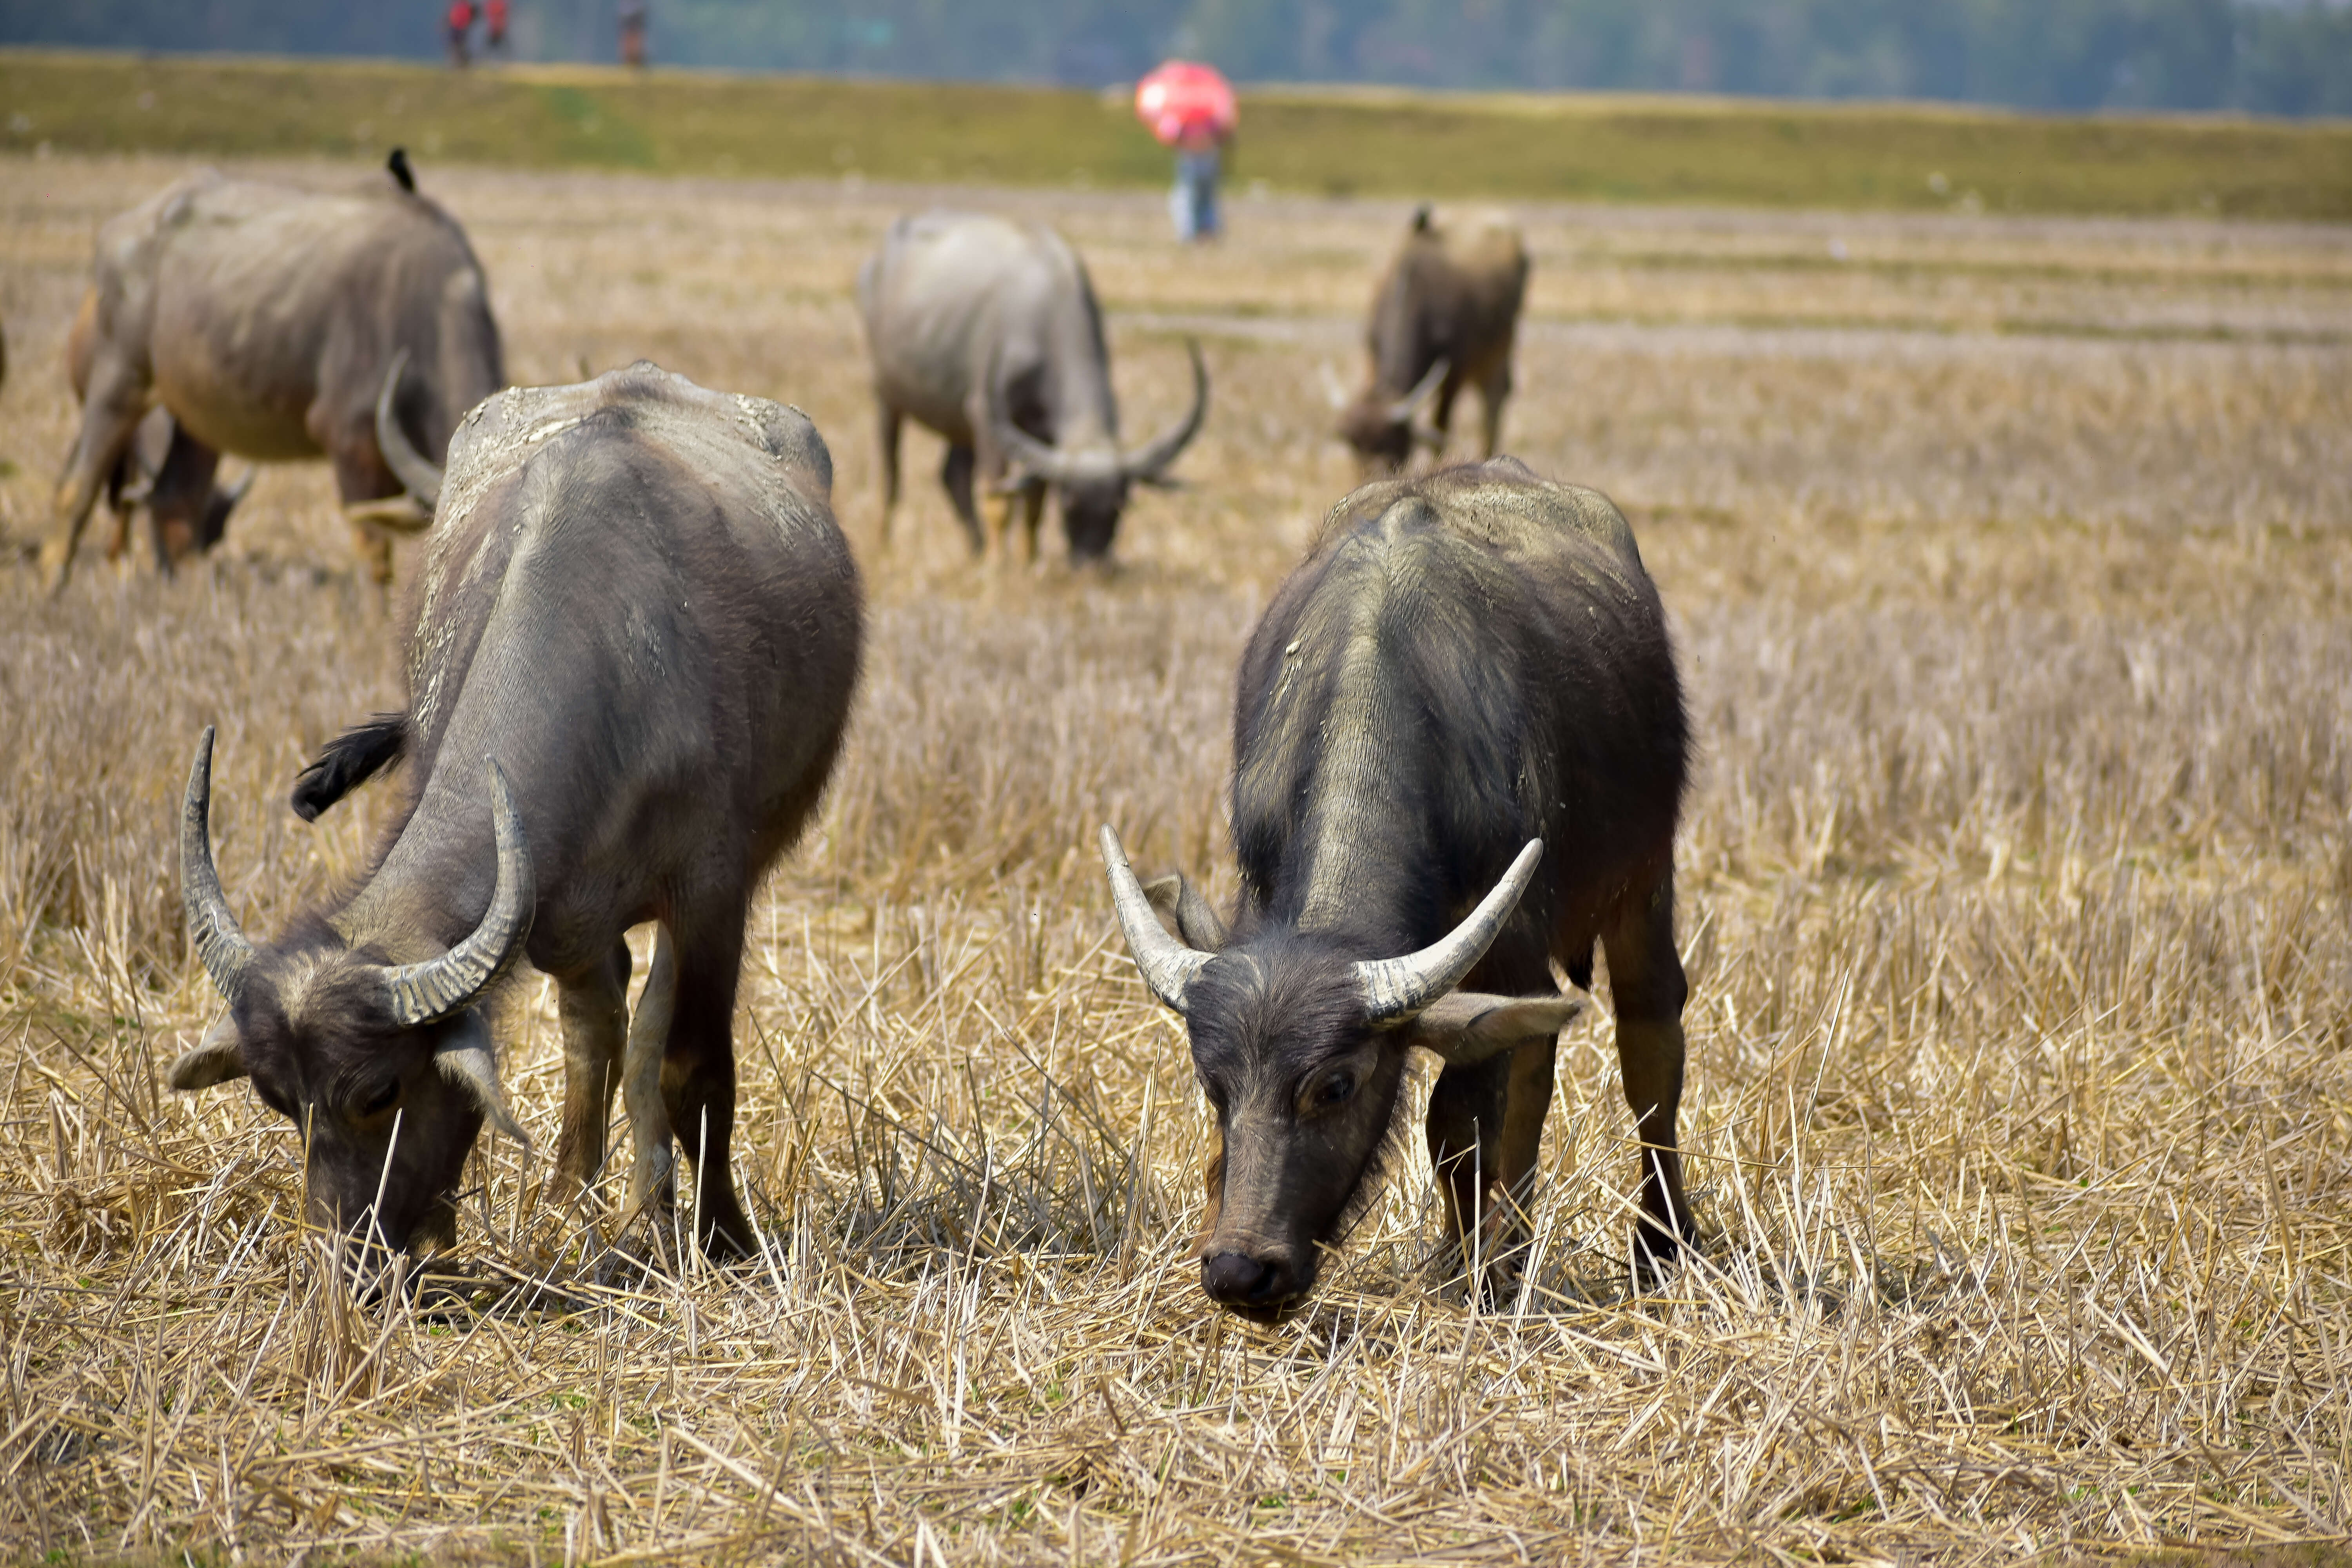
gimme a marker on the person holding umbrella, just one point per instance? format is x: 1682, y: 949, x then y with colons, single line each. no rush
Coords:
x: 1191, y: 108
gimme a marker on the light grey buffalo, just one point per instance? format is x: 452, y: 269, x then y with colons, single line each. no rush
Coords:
x: 163, y: 471
x: 1445, y: 316
x: 636, y: 631
x: 270, y: 322
x: 987, y: 332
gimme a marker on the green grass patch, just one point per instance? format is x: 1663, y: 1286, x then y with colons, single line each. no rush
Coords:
x: 1390, y: 143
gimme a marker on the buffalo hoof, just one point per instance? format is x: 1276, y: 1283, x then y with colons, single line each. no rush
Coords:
x: 54, y: 565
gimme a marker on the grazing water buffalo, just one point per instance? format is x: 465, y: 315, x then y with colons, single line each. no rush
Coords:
x: 1459, y: 753
x: 267, y: 321
x: 162, y: 470
x: 1443, y: 318
x: 635, y: 633
x: 987, y: 332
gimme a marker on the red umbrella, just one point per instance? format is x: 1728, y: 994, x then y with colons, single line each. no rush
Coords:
x: 1183, y: 100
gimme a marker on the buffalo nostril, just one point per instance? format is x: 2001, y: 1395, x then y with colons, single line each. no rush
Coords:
x: 1237, y: 1281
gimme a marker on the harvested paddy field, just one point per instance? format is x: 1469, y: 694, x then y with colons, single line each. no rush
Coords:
x: 2011, y: 565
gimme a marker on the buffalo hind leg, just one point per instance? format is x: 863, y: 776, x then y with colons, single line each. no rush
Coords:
x: 650, y: 1176
x: 592, y: 1008
x: 1647, y: 989
x: 956, y: 473
x: 1491, y: 397
x: 697, y: 1076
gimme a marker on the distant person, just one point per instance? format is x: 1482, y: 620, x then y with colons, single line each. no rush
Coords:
x: 633, y: 33
x: 1200, y: 154
x: 461, y: 28
x: 494, y: 14
x: 1190, y: 107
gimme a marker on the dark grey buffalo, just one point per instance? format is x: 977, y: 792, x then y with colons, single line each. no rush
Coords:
x: 1443, y: 318
x: 1459, y: 755
x: 269, y: 323
x: 635, y: 633
x: 987, y: 332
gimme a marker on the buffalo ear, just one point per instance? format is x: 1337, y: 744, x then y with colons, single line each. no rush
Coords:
x: 1466, y: 1027
x: 216, y: 1058
x: 466, y: 1059
x: 1197, y: 921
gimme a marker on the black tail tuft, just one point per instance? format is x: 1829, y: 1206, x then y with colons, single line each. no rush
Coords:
x: 349, y: 761
x: 398, y: 164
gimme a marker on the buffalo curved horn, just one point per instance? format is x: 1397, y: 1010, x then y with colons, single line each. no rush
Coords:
x: 1334, y: 391
x: 1148, y: 461
x: 1167, y: 965
x: 423, y: 994
x: 1032, y: 456
x: 1402, y: 410
x: 214, y: 930
x: 1397, y: 988
x: 416, y: 472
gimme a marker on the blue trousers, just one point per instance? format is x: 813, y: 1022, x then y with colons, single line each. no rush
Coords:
x: 1194, y: 202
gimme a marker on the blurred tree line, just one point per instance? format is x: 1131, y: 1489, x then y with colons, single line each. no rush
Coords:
x: 2278, y: 57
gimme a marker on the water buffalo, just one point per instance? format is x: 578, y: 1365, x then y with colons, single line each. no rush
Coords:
x: 987, y: 332
x: 636, y: 630
x: 163, y: 470
x: 1443, y: 318
x: 266, y: 319
x: 1459, y: 738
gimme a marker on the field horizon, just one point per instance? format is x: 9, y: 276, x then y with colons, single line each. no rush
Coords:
x: 2009, y: 560
x: 1295, y: 140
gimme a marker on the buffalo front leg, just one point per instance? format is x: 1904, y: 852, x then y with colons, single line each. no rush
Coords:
x: 650, y: 1183
x: 697, y: 1076
x: 109, y: 418
x: 887, y: 426
x: 1033, y: 515
x: 180, y: 502
x: 592, y: 1009
x: 1647, y: 989
x: 360, y: 476
x: 1465, y: 1148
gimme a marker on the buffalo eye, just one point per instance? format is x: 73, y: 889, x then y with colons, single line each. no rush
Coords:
x: 1333, y: 1092
x: 379, y: 1099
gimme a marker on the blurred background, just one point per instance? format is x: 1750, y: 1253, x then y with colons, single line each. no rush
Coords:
x: 2268, y: 57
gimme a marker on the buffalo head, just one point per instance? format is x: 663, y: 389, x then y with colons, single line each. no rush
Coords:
x: 1301, y: 1049
x: 1093, y: 481
x: 1379, y: 425
x: 385, y: 1069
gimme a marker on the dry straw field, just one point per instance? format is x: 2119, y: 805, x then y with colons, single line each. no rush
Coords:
x: 2011, y: 566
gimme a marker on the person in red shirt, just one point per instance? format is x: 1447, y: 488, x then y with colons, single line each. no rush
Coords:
x: 461, y: 24
x: 494, y: 12
x: 633, y: 33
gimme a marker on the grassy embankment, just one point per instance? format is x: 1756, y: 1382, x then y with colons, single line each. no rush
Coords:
x: 1589, y: 147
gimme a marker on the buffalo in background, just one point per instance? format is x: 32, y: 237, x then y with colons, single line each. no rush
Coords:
x: 987, y: 332
x: 1445, y: 316
x: 162, y: 472
x: 270, y: 322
